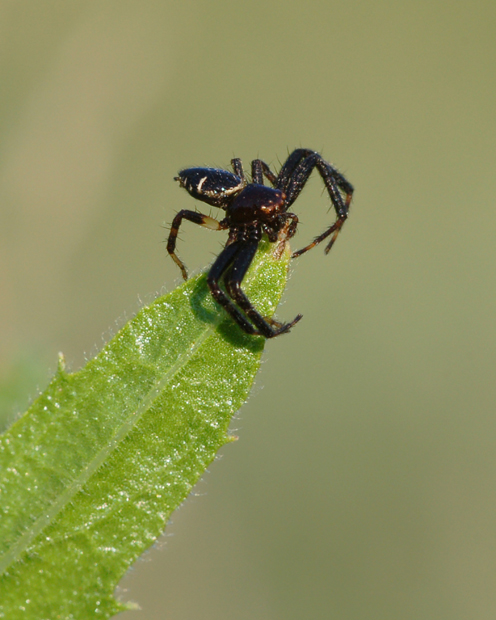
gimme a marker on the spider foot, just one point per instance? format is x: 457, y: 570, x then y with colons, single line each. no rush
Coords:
x: 339, y: 225
x: 281, y: 328
x: 180, y: 264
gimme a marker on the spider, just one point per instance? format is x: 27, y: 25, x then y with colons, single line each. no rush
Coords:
x: 252, y: 209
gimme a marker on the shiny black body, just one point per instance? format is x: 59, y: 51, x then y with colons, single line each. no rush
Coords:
x: 252, y: 209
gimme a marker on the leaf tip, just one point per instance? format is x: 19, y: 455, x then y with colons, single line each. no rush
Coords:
x: 61, y: 363
x: 129, y: 606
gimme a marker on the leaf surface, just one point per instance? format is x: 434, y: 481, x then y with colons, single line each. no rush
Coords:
x: 91, y: 473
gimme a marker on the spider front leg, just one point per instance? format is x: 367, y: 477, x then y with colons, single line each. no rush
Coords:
x: 335, y: 228
x: 233, y: 278
x: 292, y: 178
x: 196, y: 218
x: 298, y: 167
x: 234, y: 261
x: 221, y: 264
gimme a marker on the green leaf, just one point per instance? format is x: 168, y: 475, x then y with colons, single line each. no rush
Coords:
x: 91, y: 473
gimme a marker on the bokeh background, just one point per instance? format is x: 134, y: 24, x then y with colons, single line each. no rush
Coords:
x: 363, y: 483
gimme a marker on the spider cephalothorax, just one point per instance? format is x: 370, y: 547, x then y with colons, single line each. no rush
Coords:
x: 252, y: 209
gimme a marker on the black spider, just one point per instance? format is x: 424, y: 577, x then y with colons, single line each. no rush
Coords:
x: 251, y: 210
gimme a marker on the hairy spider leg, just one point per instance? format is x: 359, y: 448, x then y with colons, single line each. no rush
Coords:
x: 233, y: 263
x: 237, y: 166
x: 221, y: 264
x: 293, y: 176
x: 335, y: 228
x: 233, y: 278
x: 196, y: 218
x: 259, y: 169
x: 295, y: 173
x: 287, y: 230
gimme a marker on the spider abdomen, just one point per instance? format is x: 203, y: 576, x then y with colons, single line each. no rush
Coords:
x: 211, y: 185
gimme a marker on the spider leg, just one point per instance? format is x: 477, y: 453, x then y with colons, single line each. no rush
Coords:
x: 296, y: 171
x: 220, y: 266
x: 237, y: 167
x: 335, y: 228
x: 287, y: 230
x: 292, y: 178
x: 233, y: 278
x: 196, y: 218
x: 287, y: 172
x: 258, y: 169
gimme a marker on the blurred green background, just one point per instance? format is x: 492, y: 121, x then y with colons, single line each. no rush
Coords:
x: 363, y: 483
